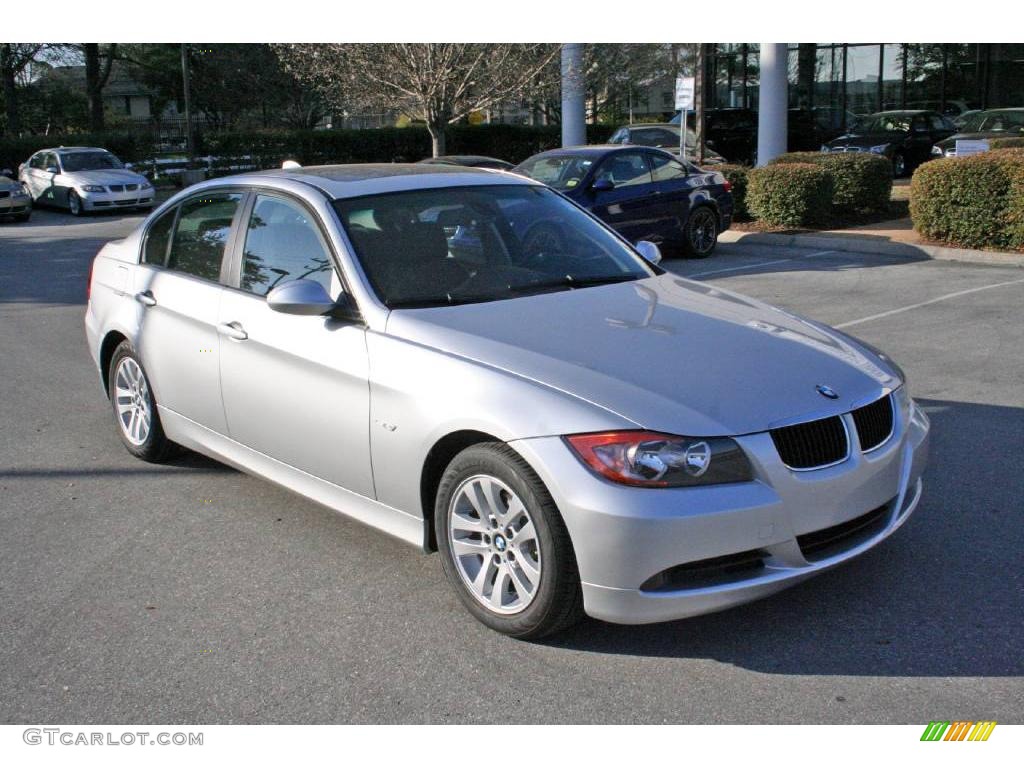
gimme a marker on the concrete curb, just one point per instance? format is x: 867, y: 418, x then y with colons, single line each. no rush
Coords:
x: 874, y: 245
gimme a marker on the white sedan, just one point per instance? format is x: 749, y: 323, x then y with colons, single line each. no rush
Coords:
x: 84, y: 179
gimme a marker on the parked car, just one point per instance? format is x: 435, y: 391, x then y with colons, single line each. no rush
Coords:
x: 961, y: 120
x: 663, y: 136
x: 905, y: 137
x: 470, y: 161
x: 732, y: 132
x: 642, y: 192
x: 990, y: 124
x: 84, y: 179
x: 573, y: 428
x: 15, y: 202
x: 952, y: 107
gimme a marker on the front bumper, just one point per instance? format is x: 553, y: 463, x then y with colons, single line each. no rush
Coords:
x: 100, y: 201
x: 15, y: 205
x: 625, y: 537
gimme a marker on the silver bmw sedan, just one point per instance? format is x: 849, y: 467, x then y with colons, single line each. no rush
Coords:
x: 468, y: 361
x: 84, y: 179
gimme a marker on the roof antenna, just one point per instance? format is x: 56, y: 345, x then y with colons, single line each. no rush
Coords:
x: 289, y: 165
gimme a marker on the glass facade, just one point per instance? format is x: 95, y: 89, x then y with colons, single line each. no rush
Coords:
x: 838, y: 82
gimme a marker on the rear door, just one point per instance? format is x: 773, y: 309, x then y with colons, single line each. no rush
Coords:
x: 295, y: 388
x: 178, y: 289
x: 676, y: 187
x: 629, y: 207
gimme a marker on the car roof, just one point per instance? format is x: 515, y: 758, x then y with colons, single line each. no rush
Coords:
x: 669, y: 126
x: 67, y: 150
x: 902, y: 112
x: 595, y: 150
x: 357, y: 179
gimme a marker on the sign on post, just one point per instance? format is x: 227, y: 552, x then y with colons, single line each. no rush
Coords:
x: 968, y: 147
x: 684, y: 101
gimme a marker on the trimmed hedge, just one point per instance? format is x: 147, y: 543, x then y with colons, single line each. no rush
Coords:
x: 1008, y: 143
x: 737, y: 176
x: 790, y: 194
x: 974, y: 202
x: 268, y: 149
x: 862, y: 181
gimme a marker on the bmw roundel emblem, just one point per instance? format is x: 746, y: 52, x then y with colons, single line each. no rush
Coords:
x: 826, y: 391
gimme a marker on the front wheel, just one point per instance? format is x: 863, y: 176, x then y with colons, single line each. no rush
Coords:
x: 899, y: 165
x: 701, y: 233
x: 504, y: 546
x: 74, y: 203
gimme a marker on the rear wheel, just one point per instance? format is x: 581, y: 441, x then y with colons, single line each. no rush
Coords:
x: 504, y: 546
x: 135, y: 408
x: 701, y: 233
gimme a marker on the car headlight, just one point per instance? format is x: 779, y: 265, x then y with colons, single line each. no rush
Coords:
x: 826, y: 148
x: 879, y: 149
x: 93, y: 188
x: 19, y: 192
x: 656, y: 460
x: 145, y: 184
x: 937, y: 151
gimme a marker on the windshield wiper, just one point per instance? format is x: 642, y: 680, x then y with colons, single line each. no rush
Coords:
x: 570, y: 282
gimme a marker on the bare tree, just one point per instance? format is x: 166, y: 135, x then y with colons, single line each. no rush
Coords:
x: 14, y: 59
x: 439, y: 83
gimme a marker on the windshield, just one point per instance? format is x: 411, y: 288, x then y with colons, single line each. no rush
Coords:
x: 458, y: 245
x: 994, y: 121
x: 557, y: 171
x: 883, y: 124
x: 89, y: 161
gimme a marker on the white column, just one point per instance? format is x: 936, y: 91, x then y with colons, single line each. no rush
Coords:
x: 574, y: 126
x: 773, y: 102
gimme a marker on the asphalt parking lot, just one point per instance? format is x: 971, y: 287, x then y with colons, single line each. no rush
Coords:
x: 194, y: 593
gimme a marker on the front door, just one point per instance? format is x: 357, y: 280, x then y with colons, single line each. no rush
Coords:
x: 629, y: 207
x: 295, y: 388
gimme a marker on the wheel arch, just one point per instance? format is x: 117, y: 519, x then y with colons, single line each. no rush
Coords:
x: 107, y: 346
x: 437, y: 460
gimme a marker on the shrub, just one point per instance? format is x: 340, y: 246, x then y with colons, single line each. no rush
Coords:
x: 862, y: 181
x: 1007, y: 143
x: 975, y: 201
x: 737, y: 176
x: 790, y: 194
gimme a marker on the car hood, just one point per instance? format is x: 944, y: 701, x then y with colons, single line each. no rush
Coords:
x: 866, y: 139
x: 105, y: 176
x: 8, y: 185
x: 666, y: 353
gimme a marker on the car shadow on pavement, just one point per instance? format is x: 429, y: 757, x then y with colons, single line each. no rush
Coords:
x: 943, y: 597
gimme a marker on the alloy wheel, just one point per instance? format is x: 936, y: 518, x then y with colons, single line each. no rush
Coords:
x: 494, y: 544
x: 702, y: 231
x: 132, y: 401
x: 74, y: 204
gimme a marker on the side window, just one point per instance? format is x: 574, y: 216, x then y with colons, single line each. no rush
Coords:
x: 201, y: 236
x: 625, y: 169
x: 36, y: 161
x: 283, y: 243
x: 159, y: 235
x: 667, y: 169
x: 619, y: 137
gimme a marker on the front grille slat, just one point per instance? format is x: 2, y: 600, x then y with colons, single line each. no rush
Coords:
x: 812, y: 444
x: 874, y: 423
x: 822, y: 544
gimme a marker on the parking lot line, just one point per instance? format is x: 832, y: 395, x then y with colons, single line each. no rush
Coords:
x: 758, y: 264
x: 937, y: 299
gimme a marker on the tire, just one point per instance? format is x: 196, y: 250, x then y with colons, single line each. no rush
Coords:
x: 899, y: 165
x: 700, y: 235
x: 75, y: 204
x: 150, y: 444
x: 541, y: 558
x: 23, y: 217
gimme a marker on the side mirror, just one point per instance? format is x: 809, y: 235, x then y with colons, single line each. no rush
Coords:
x: 300, y: 297
x: 604, y: 184
x: 649, y: 251
x: 52, y: 169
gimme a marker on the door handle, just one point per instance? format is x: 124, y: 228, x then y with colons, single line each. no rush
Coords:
x: 233, y: 330
x: 146, y: 298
